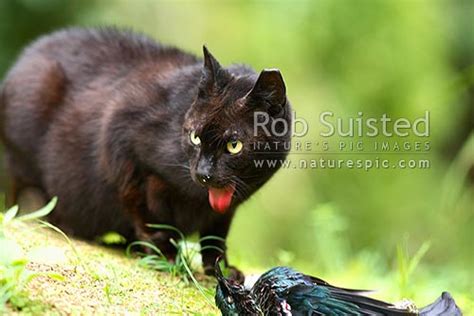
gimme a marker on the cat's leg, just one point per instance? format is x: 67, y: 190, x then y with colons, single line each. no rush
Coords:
x: 20, y: 190
x: 159, y: 238
x: 139, y: 202
x: 155, y: 192
x: 213, y: 248
x: 13, y: 192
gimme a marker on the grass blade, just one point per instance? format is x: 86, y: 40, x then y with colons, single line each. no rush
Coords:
x: 10, y: 214
x: 42, y: 212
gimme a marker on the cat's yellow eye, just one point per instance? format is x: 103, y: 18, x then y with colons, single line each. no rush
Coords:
x: 194, y: 139
x: 234, y: 146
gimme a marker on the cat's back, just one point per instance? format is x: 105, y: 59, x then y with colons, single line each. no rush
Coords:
x: 69, y: 76
x: 85, y: 53
x: 73, y: 67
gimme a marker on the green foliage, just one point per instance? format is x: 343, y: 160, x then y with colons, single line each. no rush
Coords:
x: 407, y: 266
x: 184, y: 265
x: 112, y: 238
x: 14, y: 274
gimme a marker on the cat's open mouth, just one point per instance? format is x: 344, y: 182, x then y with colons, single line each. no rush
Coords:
x: 220, y: 198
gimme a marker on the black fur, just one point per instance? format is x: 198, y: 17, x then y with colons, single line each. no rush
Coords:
x: 101, y: 118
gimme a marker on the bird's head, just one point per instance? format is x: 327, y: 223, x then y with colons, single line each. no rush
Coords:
x: 232, y: 298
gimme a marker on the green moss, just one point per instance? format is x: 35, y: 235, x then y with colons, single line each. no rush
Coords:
x: 100, y: 281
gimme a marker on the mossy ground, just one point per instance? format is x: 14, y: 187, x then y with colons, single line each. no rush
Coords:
x: 99, y: 281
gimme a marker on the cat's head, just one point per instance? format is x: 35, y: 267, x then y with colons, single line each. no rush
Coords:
x: 227, y: 154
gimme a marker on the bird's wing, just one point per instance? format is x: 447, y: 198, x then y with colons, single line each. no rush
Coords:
x: 370, y: 306
x: 305, y: 299
x: 367, y: 305
x: 319, y: 281
x: 322, y: 300
x: 307, y: 295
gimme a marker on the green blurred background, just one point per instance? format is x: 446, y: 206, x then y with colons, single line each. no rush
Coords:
x: 408, y: 233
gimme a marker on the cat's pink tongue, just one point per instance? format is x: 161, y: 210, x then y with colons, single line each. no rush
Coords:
x: 221, y: 198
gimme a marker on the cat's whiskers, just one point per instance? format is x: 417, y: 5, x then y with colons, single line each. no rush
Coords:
x: 241, y: 188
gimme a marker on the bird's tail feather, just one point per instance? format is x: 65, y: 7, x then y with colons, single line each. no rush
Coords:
x: 443, y: 306
x: 367, y: 305
x: 370, y: 306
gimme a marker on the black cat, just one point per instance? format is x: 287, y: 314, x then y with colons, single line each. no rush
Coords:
x: 126, y: 131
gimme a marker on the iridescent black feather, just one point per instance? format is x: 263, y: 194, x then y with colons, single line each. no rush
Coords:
x: 284, y: 291
x: 305, y: 295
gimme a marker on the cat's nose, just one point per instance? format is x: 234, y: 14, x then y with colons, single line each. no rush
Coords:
x: 203, y: 173
x: 204, y: 170
x: 204, y: 177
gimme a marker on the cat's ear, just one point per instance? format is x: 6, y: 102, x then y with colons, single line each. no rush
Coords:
x: 213, y: 75
x: 269, y: 90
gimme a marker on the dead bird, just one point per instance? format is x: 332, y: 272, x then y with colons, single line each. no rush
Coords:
x: 285, y: 291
